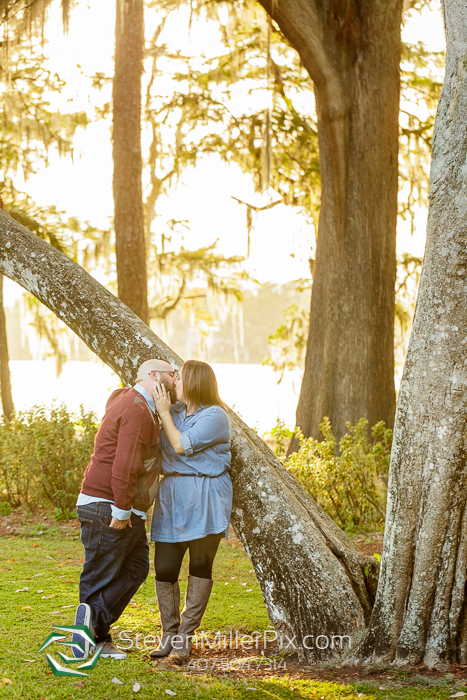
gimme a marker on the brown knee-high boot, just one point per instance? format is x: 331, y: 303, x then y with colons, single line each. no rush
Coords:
x: 168, y: 598
x: 196, y: 600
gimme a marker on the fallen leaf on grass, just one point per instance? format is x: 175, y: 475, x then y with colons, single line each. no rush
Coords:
x: 31, y: 661
x: 171, y: 693
x: 51, y: 595
x: 51, y: 558
x: 81, y: 684
x: 68, y: 606
x: 136, y: 688
x: 248, y: 590
x: 35, y: 544
x: 116, y: 681
x: 6, y: 681
x: 41, y: 591
x: 55, y: 612
x: 26, y: 607
x: 459, y: 695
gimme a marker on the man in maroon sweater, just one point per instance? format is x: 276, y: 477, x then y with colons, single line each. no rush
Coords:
x: 113, y: 532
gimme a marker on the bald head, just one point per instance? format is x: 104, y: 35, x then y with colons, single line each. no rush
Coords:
x: 153, y: 371
x: 153, y: 366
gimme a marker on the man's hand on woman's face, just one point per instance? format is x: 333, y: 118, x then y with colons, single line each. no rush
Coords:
x: 161, y: 398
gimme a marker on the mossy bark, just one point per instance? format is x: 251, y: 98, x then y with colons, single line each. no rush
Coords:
x: 420, y: 614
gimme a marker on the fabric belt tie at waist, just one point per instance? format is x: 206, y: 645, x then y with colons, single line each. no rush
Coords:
x: 215, y: 476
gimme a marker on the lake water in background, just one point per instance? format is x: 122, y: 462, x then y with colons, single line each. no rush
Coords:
x: 250, y: 390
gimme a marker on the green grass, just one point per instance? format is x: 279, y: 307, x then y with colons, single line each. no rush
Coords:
x: 49, y: 565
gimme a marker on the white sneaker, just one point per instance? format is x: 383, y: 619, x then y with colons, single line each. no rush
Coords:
x: 109, y: 650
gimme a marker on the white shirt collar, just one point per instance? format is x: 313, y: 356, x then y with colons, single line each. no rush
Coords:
x: 144, y: 392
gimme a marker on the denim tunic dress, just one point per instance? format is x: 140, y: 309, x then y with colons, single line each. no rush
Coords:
x: 200, y: 503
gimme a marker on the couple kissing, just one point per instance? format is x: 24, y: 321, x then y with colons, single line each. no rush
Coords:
x: 165, y: 441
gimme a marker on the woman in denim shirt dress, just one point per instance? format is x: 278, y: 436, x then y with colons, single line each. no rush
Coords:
x: 194, y: 503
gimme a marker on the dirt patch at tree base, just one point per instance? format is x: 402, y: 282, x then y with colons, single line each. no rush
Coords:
x: 237, y: 664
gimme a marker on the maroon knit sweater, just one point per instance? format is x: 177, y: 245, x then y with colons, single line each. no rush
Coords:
x: 127, y: 435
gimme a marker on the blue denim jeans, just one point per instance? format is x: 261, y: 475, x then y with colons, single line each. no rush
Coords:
x: 116, y: 563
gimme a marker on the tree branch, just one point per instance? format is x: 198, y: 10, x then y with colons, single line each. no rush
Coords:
x: 267, y: 206
x: 301, y: 24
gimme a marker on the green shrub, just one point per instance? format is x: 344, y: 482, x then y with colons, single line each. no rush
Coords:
x: 5, y: 508
x: 280, y: 435
x: 43, y: 455
x: 348, y: 481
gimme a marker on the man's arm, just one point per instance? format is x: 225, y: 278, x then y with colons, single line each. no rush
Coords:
x: 132, y: 434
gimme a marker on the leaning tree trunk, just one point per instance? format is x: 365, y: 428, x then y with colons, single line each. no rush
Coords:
x: 5, y: 379
x: 130, y: 245
x: 421, y: 608
x: 352, y: 55
x: 314, y: 581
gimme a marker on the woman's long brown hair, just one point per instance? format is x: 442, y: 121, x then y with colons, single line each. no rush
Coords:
x: 200, y: 384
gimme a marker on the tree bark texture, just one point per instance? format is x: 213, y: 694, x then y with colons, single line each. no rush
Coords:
x: 5, y: 379
x: 421, y: 608
x: 312, y: 577
x: 130, y: 241
x: 351, y: 51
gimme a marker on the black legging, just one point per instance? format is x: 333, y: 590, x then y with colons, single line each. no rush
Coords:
x: 168, y: 558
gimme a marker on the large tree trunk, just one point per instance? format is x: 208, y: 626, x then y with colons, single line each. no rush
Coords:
x: 421, y: 608
x: 130, y: 242
x: 5, y: 380
x: 352, y: 53
x: 313, y: 579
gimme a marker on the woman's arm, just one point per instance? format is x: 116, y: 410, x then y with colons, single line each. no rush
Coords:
x: 211, y: 428
x: 163, y: 403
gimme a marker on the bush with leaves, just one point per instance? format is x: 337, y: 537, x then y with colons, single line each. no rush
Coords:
x: 349, y: 480
x: 43, y: 455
